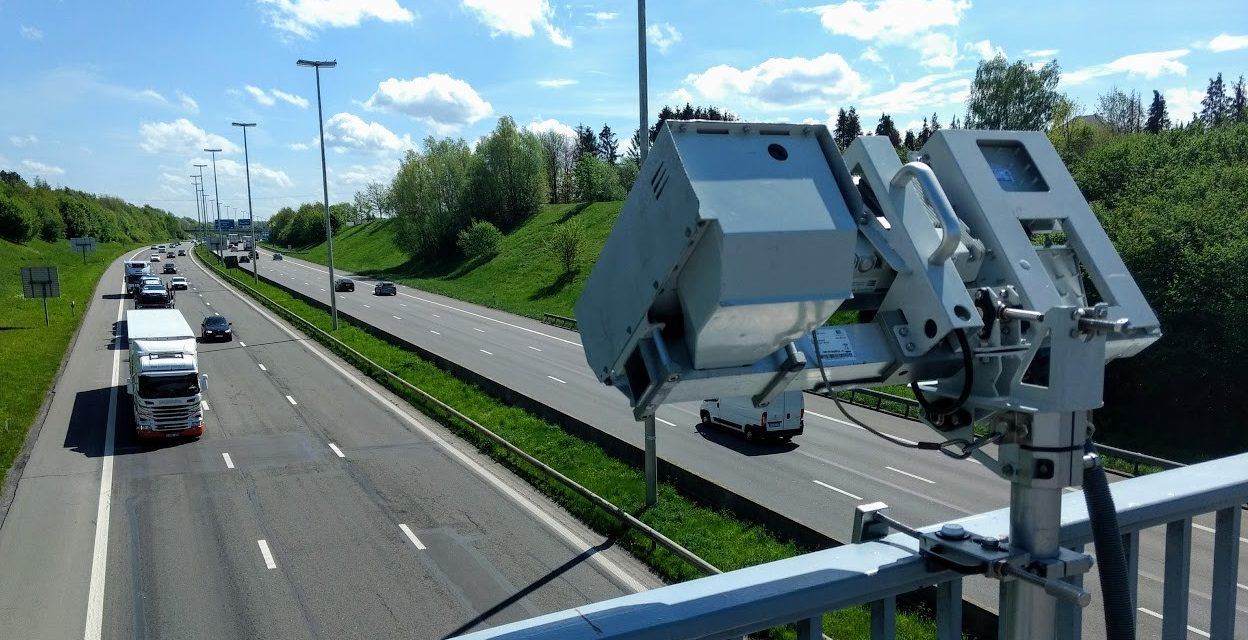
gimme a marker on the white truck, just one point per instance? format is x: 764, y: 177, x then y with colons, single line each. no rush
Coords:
x: 135, y: 270
x: 784, y: 418
x: 249, y: 243
x: 164, y: 374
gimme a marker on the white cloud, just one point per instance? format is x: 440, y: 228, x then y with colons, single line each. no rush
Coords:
x: 556, y: 83
x: 917, y: 96
x: 345, y: 182
x: 1181, y: 103
x: 518, y: 18
x: 260, y: 95
x: 604, y: 16
x: 442, y: 102
x: 937, y: 50
x: 780, y: 83
x: 188, y: 102
x: 290, y: 98
x: 1040, y: 53
x: 39, y: 168
x: 30, y: 33
x: 1148, y: 65
x: 22, y: 141
x: 871, y: 55
x: 550, y: 125
x: 350, y: 132
x: 302, y: 18
x: 260, y: 173
x: 298, y: 146
x: 910, y: 23
x: 984, y: 50
x: 681, y: 96
x: 181, y: 137
x: 662, y: 35
x: 150, y: 95
x: 1226, y: 42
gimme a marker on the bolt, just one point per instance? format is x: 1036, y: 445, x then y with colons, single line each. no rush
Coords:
x: 903, y: 332
x: 1005, y: 331
x: 909, y: 346
x: 953, y: 531
x: 1007, y: 469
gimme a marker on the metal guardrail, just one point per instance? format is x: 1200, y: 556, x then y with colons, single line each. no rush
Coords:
x: 598, y: 501
x: 559, y: 321
x: 799, y: 590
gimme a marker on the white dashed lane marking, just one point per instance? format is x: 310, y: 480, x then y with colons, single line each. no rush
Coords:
x: 840, y: 491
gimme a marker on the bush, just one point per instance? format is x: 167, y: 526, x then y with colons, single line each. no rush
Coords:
x: 17, y: 220
x: 564, y: 243
x: 480, y: 239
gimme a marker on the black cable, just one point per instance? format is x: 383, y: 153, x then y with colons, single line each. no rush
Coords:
x: 944, y: 406
x: 1111, y: 561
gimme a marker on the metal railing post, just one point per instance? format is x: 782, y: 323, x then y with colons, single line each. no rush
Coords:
x: 1225, y: 568
x: 1177, y: 578
x: 810, y: 628
x: 884, y: 618
x: 949, y: 610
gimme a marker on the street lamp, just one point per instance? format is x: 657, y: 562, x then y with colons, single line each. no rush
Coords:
x: 203, y: 198
x: 216, y: 191
x: 643, y: 134
x: 251, y: 221
x: 329, y: 231
x: 199, y: 213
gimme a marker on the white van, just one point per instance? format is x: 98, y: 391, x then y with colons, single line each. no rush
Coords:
x: 784, y: 418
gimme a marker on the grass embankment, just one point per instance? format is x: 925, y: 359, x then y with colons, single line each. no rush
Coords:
x: 30, y: 352
x: 721, y: 539
x: 523, y: 278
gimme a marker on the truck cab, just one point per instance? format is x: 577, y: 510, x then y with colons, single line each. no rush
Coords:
x: 164, y: 381
x: 784, y: 418
x: 135, y: 270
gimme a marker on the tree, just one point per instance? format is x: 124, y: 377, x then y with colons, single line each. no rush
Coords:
x: 608, y: 146
x: 596, y: 181
x: 564, y: 243
x: 1121, y: 111
x: 508, y: 181
x: 1215, y: 105
x: 372, y: 202
x: 557, y: 161
x: 909, y: 142
x: 1239, y: 103
x: 925, y: 132
x: 690, y: 112
x: 586, y: 141
x: 1158, y: 118
x: 480, y: 239
x: 18, y: 222
x: 887, y: 128
x: 344, y: 211
x: 1012, y: 96
x: 430, y: 196
x: 847, y: 127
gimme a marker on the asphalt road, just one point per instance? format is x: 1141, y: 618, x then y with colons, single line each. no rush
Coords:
x: 316, y: 505
x: 817, y: 479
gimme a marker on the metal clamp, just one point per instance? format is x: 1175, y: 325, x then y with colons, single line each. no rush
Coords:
x: 951, y: 229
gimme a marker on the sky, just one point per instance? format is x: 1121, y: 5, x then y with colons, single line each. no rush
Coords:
x: 120, y: 98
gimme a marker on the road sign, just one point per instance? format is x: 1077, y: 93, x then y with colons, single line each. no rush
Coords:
x: 41, y: 282
x: 83, y: 245
x: 244, y: 222
x: 224, y: 223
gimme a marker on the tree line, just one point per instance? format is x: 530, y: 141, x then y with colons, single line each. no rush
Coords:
x: 30, y: 211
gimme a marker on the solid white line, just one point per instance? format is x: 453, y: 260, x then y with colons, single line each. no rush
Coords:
x: 1242, y: 586
x: 337, y: 450
x: 572, y: 539
x: 534, y: 348
x: 396, y: 317
x: 434, y: 332
x: 204, y: 404
x: 904, y: 473
x: 1203, y: 634
x: 476, y: 329
x: 1212, y: 530
x: 490, y: 354
x: 841, y: 491
x: 836, y: 420
x: 557, y: 380
x: 229, y: 464
x: 268, y: 557
x: 261, y: 367
x: 670, y: 424
x: 242, y: 344
x: 411, y: 536
x: 292, y: 400
x: 104, y: 506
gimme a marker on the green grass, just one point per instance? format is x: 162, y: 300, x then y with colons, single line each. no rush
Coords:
x: 30, y: 352
x: 718, y: 537
x: 522, y: 278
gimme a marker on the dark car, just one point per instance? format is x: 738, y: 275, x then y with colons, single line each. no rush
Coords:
x: 170, y: 267
x: 244, y: 258
x: 277, y: 256
x: 344, y: 284
x: 216, y: 327
x: 181, y: 252
x: 170, y: 254
x: 385, y: 289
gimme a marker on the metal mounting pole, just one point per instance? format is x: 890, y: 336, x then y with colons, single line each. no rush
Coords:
x: 652, y: 465
x: 643, y: 134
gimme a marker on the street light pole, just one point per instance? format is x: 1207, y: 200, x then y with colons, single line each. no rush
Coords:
x: 216, y: 191
x: 329, y: 231
x: 251, y: 221
x: 199, y: 213
x: 643, y: 134
x: 203, y: 199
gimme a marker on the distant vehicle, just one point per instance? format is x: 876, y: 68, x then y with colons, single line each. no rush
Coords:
x: 171, y: 254
x: 231, y: 262
x: 216, y: 327
x: 154, y: 258
x: 135, y: 270
x: 784, y: 418
x: 255, y: 255
x: 344, y: 284
x: 181, y: 252
x: 164, y: 375
x: 153, y: 296
x: 154, y: 247
x: 277, y: 256
x: 385, y: 289
x: 170, y: 268
x: 244, y: 258
x: 178, y: 282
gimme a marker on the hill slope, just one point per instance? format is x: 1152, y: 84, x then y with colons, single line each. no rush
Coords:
x: 523, y: 278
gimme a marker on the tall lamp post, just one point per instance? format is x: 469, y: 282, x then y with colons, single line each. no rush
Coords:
x: 216, y: 192
x: 203, y: 200
x: 329, y: 231
x: 643, y: 134
x: 199, y: 212
x: 251, y: 220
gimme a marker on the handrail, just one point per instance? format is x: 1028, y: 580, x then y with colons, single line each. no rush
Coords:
x: 599, y: 501
x: 951, y: 229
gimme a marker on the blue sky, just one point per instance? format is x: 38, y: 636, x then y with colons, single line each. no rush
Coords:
x: 119, y: 97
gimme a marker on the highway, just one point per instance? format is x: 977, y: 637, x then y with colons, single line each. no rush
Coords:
x: 316, y: 505
x: 816, y: 480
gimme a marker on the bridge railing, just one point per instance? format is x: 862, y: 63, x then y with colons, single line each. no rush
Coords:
x: 800, y: 590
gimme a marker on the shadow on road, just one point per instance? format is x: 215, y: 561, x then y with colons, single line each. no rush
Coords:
x: 115, y: 296
x: 119, y: 329
x: 737, y: 443
x: 88, y: 422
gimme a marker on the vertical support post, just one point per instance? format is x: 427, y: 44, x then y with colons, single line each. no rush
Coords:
x: 1070, y: 615
x: 884, y: 618
x: 1027, y: 612
x: 652, y: 464
x: 810, y: 628
x: 1177, y: 576
x: 643, y: 134
x: 46, y: 323
x: 949, y: 610
x: 1225, y: 566
x: 1131, y: 548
